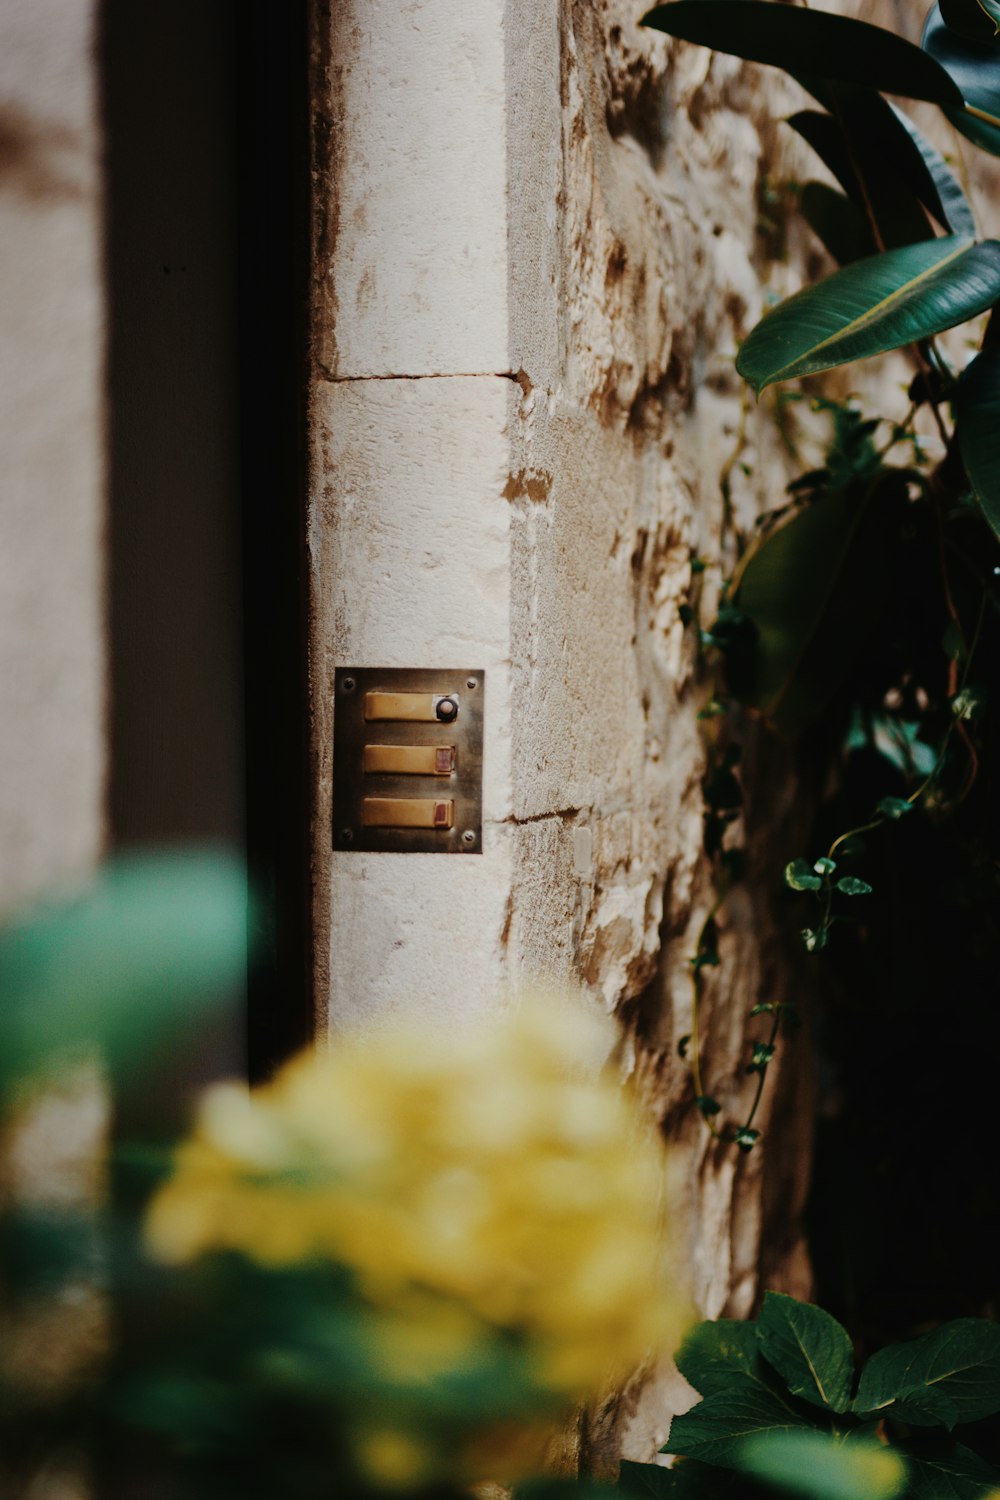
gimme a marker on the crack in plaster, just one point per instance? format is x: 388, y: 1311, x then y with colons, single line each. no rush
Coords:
x: 561, y: 813
x: 330, y: 379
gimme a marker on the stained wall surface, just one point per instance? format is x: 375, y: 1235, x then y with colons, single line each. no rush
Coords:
x: 51, y: 439
x: 546, y: 229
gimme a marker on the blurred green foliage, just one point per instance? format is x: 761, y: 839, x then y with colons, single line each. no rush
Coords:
x: 343, y: 1289
x: 783, y: 1411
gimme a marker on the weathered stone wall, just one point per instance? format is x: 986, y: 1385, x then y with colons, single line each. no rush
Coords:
x: 668, y: 157
x: 540, y: 236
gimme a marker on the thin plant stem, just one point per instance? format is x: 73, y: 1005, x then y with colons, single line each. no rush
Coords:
x: 696, y: 985
x: 763, y: 1072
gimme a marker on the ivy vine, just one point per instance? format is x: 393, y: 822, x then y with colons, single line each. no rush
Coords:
x: 801, y: 616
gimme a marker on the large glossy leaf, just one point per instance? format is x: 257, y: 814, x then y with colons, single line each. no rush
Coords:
x: 977, y: 408
x: 819, y: 1467
x: 864, y: 139
x: 957, y: 1474
x: 714, y: 1431
x: 936, y: 185
x: 825, y: 136
x: 976, y: 20
x: 809, y: 1349
x: 812, y: 591
x: 791, y: 37
x: 880, y: 303
x: 874, y: 161
x: 959, y: 1364
x: 975, y: 70
x: 649, y: 1481
x: 837, y: 222
x: 875, y: 151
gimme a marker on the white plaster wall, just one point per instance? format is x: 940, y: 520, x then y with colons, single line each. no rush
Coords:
x: 52, y: 680
x: 410, y: 547
x: 563, y: 252
x: 51, y: 440
x: 413, y: 272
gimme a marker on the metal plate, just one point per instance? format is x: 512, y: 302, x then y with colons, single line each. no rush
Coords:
x: 352, y: 733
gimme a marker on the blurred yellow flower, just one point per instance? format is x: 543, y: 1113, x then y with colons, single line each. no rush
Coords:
x: 490, y: 1183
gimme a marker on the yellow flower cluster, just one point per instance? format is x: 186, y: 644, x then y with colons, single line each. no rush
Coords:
x: 490, y: 1180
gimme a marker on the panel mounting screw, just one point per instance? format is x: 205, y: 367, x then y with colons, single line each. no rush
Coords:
x: 468, y: 837
x: 348, y: 684
x: 471, y: 682
x: 347, y: 835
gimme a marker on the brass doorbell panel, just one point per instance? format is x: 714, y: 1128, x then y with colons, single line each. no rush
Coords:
x: 408, y: 760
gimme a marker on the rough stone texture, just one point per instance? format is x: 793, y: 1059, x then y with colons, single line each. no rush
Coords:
x: 570, y: 489
x: 51, y: 437
x: 616, y: 485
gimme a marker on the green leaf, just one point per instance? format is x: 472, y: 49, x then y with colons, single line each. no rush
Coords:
x: 762, y: 1054
x: 837, y: 222
x: 952, y: 1374
x: 645, y: 1480
x: 823, y: 133
x: 975, y: 73
x: 715, y: 1429
x: 824, y: 865
x: 894, y: 807
x: 969, y: 703
x: 815, y: 938
x: 800, y: 877
x: 977, y: 426
x: 941, y: 192
x: 850, y: 885
x: 746, y: 1138
x: 875, y: 161
x: 876, y: 304
x: 809, y: 1350
x: 878, y: 155
x: 832, y: 46
x: 976, y: 20
x: 959, y: 1474
x: 132, y: 960
x: 883, y: 145
x: 714, y: 1353
x: 707, y: 1105
x: 898, y: 740
x: 814, y: 591
x: 818, y: 1466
